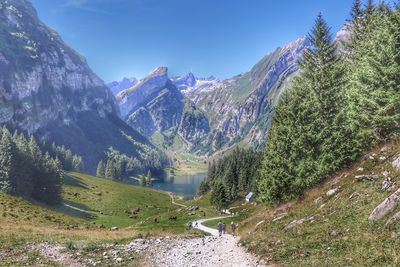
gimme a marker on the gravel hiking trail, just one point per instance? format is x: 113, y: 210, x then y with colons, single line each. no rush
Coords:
x: 210, y: 251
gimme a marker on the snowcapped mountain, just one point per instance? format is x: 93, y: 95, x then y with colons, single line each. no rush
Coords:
x: 208, y: 114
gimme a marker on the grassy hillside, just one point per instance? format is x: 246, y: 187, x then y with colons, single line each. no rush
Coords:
x: 82, y: 225
x: 336, y: 231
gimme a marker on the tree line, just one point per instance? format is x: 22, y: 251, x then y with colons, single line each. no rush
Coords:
x: 229, y: 176
x: 345, y: 100
x: 27, y: 169
x: 119, y: 166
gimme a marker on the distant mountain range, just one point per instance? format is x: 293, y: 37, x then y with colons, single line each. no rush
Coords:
x: 47, y: 89
x: 207, y: 115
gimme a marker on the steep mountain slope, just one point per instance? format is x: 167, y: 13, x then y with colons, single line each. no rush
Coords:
x: 217, y: 114
x: 240, y: 108
x: 48, y: 89
x: 331, y: 224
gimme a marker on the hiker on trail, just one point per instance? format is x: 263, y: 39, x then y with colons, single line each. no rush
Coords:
x: 233, y: 227
x: 220, y: 228
x: 196, y: 224
x: 223, y: 228
x: 190, y: 225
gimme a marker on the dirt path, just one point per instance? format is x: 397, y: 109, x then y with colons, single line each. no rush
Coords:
x: 201, y: 227
x: 211, y: 251
x: 175, y: 203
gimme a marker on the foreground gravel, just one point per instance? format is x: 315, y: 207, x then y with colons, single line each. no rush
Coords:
x: 205, y: 252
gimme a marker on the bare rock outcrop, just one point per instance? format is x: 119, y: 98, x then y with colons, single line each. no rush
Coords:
x: 385, y: 207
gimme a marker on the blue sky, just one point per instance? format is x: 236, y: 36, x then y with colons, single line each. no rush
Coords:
x: 123, y: 38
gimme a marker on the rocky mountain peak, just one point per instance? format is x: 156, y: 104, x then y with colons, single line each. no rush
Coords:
x: 130, y: 99
x: 125, y: 83
x: 185, y: 81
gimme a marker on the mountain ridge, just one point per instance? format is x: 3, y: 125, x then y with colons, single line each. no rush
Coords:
x: 48, y: 89
x: 230, y: 111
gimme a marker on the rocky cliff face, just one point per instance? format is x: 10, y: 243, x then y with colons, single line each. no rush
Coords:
x: 42, y: 79
x: 46, y: 88
x: 156, y: 104
x: 216, y: 114
x: 145, y: 90
x: 118, y: 86
x: 161, y: 113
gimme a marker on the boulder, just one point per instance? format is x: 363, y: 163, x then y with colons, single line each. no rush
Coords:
x: 385, y: 207
x: 298, y: 222
x: 362, y: 178
x: 396, y: 163
x: 394, y: 219
x: 114, y: 228
x: 332, y: 192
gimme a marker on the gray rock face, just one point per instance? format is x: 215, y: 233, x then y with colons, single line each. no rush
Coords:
x: 161, y: 113
x: 42, y: 79
x: 194, y: 126
x: 221, y: 113
x: 241, y: 107
x: 155, y: 104
x: 48, y: 89
x: 132, y: 98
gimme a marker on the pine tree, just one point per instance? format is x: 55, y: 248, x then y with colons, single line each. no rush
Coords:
x: 369, y: 8
x: 8, y: 157
x: 204, y: 188
x: 112, y: 171
x: 211, y: 170
x: 374, y: 81
x: 24, y: 169
x: 77, y: 163
x: 356, y: 12
x: 49, y: 184
x: 219, y: 197
x: 308, y: 140
x: 101, y: 172
x: 109, y: 169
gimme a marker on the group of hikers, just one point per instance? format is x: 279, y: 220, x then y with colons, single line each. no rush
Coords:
x: 222, y: 227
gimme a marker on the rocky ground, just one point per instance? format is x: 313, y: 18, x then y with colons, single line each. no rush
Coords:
x: 208, y: 251
x: 205, y: 252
